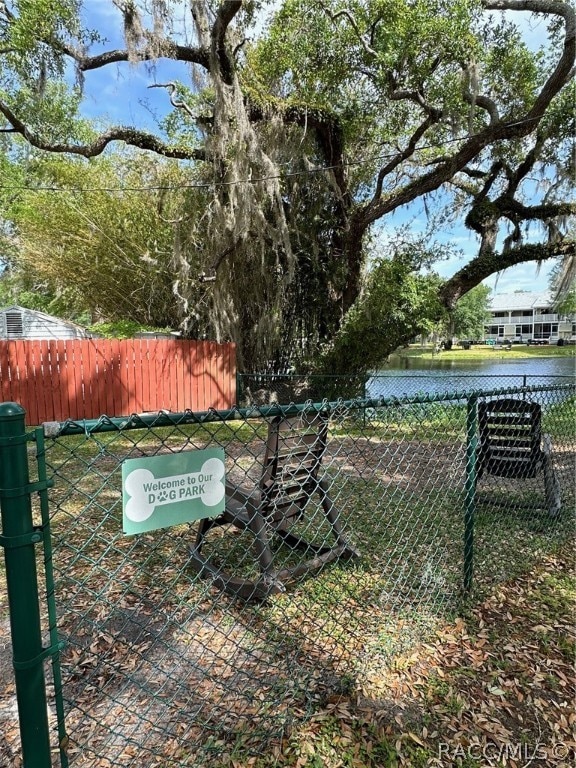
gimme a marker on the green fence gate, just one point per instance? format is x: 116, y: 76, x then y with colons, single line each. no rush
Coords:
x: 152, y: 664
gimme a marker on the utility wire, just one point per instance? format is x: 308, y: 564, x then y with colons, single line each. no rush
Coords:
x: 253, y: 180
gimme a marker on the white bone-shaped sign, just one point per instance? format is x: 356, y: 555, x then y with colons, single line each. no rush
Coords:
x: 148, y: 492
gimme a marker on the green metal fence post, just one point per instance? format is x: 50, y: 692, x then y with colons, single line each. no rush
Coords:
x: 471, y: 478
x: 18, y: 538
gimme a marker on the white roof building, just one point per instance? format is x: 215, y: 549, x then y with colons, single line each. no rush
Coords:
x: 528, y: 317
x: 520, y: 300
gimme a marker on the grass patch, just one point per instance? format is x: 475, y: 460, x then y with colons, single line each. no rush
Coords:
x: 425, y: 422
x: 481, y: 352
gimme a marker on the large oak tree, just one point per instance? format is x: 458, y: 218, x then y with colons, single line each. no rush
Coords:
x: 301, y: 143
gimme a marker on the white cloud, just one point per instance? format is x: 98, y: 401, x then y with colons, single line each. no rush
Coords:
x: 523, y: 277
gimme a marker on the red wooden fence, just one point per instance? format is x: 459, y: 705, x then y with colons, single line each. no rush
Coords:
x: 85, y: 378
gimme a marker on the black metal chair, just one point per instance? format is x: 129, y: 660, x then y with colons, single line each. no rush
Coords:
x: 512, y: 446
x: 290, y: 479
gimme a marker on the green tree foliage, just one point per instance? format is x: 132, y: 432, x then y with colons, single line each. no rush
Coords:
x: 297, y: 144
x: 108, y: 254
x: 398, y: 303
x: 23, y: 287
x: 468, y: 318
x: 122, y: 329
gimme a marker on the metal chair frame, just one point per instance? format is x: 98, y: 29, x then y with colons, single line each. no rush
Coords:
x: 512, y: 445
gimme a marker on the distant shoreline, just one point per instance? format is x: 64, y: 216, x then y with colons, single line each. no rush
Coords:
x: 479, y: 352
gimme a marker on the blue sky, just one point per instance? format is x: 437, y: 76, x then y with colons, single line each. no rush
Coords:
x: 120, y: 94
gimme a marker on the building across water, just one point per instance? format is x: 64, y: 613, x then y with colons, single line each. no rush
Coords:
x: 528, y: 318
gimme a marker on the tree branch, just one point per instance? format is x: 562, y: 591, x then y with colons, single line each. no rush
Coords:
x: 484, y: 103
x: 85, y: 63
x: 401, y: 156
x: 176, y: 103
x: 473, y: 173
x: 169, y: 50
x: 493, y: 133
x: 511, y: 208
x: 489, y: 263
x: 526, y: 165
x: 484, y: 215
x: 130, y: 136
x: 562, y: 72
x: 353, y: 23
x: 415, y: 95
x: 226, y: 13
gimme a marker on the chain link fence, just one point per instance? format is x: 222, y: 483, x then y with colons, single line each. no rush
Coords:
x: 160, y: 666
x: 267, y: 388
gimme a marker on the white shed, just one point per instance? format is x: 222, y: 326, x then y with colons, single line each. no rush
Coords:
x: 21, y: 323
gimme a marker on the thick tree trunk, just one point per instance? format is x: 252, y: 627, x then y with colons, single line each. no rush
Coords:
x: 353, y: 256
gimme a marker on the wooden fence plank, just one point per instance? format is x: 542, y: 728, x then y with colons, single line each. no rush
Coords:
x: 175, y: 374
x: 58, y: 381
x: 139, y: 371
x: 14, y: 378
x: 5, y: 390
x: 86, y: 378
x: 75, y: 365
x: 47, y: 380
x: 30, y: 357
x: 18, y: 382
x: 183, y: 375
x: 204, y: 384
x: 193, y: 353
x: 37, y: 357
x: 213, y: 383
x: 26, y: 386
x: 100, y: 378
x: 144, y: 382
x: 164, y: 390
x: 153, y: 375
x: 233, y: 381
x: 105, y: 364
x: 92, y: 371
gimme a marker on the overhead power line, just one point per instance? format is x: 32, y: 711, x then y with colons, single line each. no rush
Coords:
x: 236, y: 182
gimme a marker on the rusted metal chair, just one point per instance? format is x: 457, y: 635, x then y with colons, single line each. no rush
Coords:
x: 290, y: 479
x: 512, y: 445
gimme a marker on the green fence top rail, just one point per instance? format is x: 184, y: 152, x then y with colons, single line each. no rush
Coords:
x: 389, y: 374
x: 168, y: 418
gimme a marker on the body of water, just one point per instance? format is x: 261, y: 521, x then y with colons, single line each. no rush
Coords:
x: 412, y: 376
